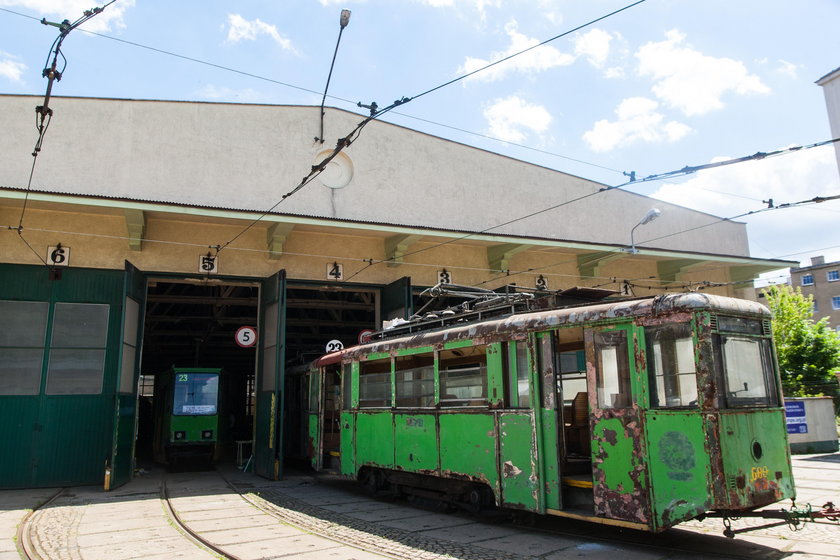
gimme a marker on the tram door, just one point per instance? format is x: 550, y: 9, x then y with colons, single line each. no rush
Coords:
x: 619, y: 473
x: 268, y: 429
x: 324, y: 427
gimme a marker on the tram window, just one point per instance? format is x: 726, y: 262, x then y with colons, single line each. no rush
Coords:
x: 375, y: 384
x: 415, y: 380
x: 670, y: 359
x: 347, y: 384
x: 739, y: 325
x: 572, y: 384
x: 314, y: 384
x: 613, y: 369
x: 523, y: 369
x: 22, y: 346
x: 77, y: 350
x: 196, y: 394
x: 747, y: 370
x: 463, y: 377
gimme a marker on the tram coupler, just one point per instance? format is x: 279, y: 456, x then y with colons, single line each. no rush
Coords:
x: 793, y: 517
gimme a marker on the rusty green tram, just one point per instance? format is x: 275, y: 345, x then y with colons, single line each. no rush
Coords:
x: 640, y: 413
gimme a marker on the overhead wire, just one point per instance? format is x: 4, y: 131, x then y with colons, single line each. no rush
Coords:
x: 316, y: 170
x: 632, y: 181
x: 507, y: 274
x: 815, y: 200
x: 330, y: 96
x: 376, y: 112
x: 43, y: 112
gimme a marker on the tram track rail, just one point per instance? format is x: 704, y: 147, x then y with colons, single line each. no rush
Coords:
x: 26, y: 542
x: 185, y: 529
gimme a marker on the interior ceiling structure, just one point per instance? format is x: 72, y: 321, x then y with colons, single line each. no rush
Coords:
x: 193, y: 324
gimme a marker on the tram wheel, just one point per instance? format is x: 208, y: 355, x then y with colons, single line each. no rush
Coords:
x: 373, y: 482
x: 475, y: 500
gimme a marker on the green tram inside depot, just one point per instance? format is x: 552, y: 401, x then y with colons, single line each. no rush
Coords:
x: 191, y: 420
x: 640, y: 413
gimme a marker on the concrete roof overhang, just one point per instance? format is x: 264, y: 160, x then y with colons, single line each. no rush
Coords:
x: 397, y: 238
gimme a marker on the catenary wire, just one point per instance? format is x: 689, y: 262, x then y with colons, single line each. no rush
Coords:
x: 508, y: 274
x: 330, y: 96
x: 375, y: 113
x: 815, y: 200
x: 306, y: 181
x: 44, y: 112
x: 610, y: 188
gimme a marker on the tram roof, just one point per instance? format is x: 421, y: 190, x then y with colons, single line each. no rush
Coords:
x: 538, y: 320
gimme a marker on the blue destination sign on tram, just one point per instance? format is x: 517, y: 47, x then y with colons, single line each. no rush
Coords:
x: 795, y: 417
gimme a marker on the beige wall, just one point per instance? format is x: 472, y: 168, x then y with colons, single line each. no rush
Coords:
x: 248, y: 156
x: 173, y: 243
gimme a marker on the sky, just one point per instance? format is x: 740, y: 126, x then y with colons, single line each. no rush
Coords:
x: 653, y: 88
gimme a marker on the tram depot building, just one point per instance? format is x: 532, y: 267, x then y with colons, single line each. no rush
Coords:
x: 152, y: 234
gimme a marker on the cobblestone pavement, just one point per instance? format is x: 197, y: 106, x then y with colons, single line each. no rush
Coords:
x: 400, y: 530
x: 324, y: 518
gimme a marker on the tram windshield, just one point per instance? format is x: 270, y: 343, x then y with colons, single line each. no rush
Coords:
x: 748, y: 371
x: 196, y: 394
x: 746, y: 363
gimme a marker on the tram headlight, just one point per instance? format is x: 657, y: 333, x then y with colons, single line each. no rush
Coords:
x: 180, y: 435
x: 207, y: 434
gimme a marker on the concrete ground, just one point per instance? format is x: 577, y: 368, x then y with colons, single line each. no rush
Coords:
x: 306, y: 517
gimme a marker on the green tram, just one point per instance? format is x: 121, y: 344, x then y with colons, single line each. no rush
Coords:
x: 189, y: 416
x: 639, y: 413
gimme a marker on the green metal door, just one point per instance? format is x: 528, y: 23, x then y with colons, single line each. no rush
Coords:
x: 518, y: 461
x: 268, y: 429
x: 121, y: 464
x: 396, y: 300
x: 59, y: 367
x: 617, y: 395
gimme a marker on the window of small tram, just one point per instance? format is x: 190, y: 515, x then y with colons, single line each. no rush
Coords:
x: 375, y: 383
x: 347, y: 385
x: 414, y: 378
x: 671, y: 368
x: 196, y: 394
x: 463, y: 376
x: 613, y: 369
x: 744, y: 359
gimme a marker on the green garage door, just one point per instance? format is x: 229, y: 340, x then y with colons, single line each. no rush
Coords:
x: 59, y: 352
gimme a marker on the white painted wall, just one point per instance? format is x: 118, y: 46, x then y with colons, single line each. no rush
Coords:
x: 249, y: 156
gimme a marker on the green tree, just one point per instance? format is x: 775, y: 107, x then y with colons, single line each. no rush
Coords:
x: 808, y: 351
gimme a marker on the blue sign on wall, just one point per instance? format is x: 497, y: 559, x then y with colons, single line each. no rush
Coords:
x: 795, y: 417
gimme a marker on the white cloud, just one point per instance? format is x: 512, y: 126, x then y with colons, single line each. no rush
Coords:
x: 690, y: 81
x: 614, y: 72
x: 638, y: 121
x: 242, y: 29
x: 740, y: 188
x: 479, y: 6
x: 536, y: 60
x: 787, y: 68
x: 214, y: 93
x: 509, y: 116
x: 10, y: 68
x: 595, y: 46
x: 110, y: 18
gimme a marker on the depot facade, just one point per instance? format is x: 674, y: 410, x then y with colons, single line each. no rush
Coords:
x: 154, y: 230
